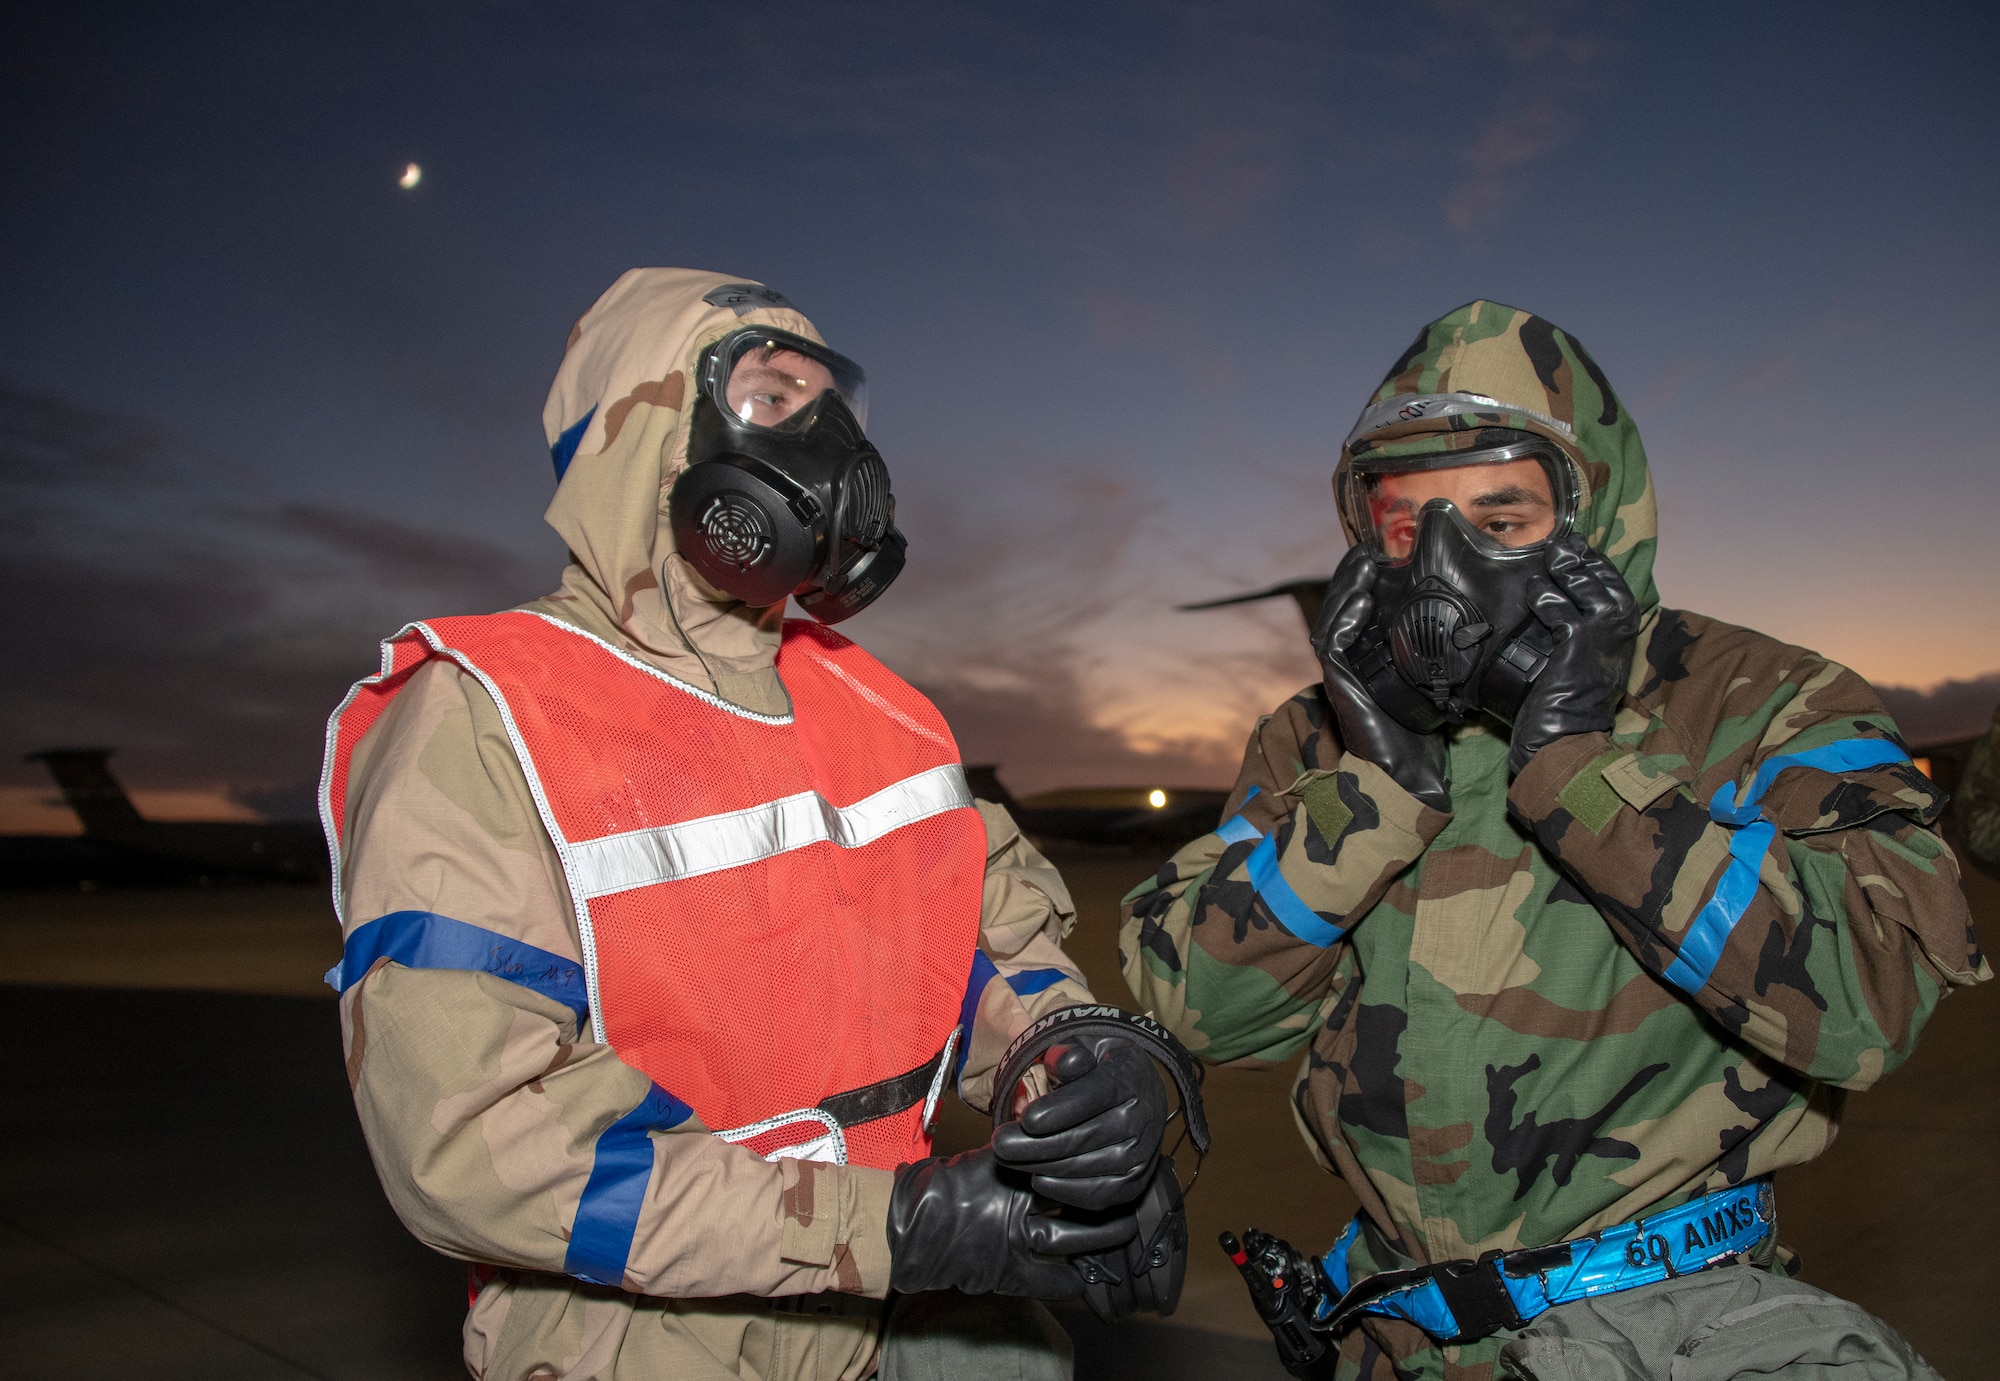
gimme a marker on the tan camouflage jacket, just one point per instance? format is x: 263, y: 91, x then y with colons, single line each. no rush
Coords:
x: 482, y: 1100
x: 1500, y: 1050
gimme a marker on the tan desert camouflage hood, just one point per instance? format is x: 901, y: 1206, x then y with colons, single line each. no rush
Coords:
x: 617, y: 426
x: 1542, y: 381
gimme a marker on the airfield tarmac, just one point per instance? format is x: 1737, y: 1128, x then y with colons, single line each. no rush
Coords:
x: 185, y: 1194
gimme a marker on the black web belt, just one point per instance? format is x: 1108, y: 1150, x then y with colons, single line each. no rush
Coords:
x: 886, y: 1097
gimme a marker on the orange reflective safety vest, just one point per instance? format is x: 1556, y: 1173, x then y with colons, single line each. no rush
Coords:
x: 778, y: 914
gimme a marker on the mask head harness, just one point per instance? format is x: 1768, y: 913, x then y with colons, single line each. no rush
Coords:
x: 783, y: 493
x: 1454, y: 632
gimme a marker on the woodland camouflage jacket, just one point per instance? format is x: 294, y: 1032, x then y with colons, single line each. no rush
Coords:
x: 1496, y: 1054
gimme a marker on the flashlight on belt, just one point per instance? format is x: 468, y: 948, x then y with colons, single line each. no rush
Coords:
x: 1286, y: 1289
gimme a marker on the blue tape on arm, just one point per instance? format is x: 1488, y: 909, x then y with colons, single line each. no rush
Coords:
x: 983, y: 973
x: 1849, y: 755
x: 1028, y: 982
x: 1701, y: 948
x: 1236, y: 829
x: 1286, y: 904
x: 607, y: 1216
x: 426, y: 940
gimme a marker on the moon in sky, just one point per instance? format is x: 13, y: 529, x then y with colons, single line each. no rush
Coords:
x: 412, y: 175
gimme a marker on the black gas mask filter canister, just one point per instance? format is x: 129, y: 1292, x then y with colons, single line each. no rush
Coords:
x: 799, y: 505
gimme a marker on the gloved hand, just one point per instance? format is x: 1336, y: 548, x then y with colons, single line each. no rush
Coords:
x: 1590, y: 610
x: 1091, y: 1141
x: 967, y: 1223
x: 1415, y: 761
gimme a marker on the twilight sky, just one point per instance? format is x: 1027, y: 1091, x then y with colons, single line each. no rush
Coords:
x: 1122, y: 275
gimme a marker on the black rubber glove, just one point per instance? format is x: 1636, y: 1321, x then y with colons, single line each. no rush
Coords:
x: 1414, y: 761
x: 1589, y: 608
x: 1091, y: 1141
x: 968, y: 1223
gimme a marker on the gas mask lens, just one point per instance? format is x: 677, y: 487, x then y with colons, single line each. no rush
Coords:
x: 762, y: 378
x: 783, y: 493
x: 1507, y: 497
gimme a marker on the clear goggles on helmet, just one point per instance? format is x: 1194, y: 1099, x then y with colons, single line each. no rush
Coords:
x: 1512, y: 497
x: 767, y: 380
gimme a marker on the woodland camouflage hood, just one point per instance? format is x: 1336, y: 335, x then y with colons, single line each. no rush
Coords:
x: 617, y: 427
x: 1542, y: 381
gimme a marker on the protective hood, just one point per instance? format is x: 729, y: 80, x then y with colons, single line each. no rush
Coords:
x: 1487, y: 366
x: 617, y: 428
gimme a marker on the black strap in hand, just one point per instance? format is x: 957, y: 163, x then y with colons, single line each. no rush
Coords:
x: 1070, y: 1024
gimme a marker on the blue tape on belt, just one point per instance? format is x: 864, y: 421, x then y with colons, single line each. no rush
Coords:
x: 426, y: 940
x: 1334, y: 1263
x: 1701, y: 947
x: 607, y: 1216
x: 1702, y: 1232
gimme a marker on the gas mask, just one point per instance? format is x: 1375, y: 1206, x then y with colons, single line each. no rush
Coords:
x: 783, y: 493
x: 1454, y: 630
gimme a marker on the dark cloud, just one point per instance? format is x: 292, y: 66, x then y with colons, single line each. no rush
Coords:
x: 50, y: 441
x: 398, y: 555
x: 204, y: 637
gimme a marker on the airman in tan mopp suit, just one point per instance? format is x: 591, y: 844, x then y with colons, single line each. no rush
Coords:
x: 667, y: 920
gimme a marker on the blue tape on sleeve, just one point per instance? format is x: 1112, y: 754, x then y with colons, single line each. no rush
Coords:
x: 607, y: 1216
x: 1028, y: 982
x: 1701, y: 948
x: 983, y: 973
x: 1286, y: 904
x: 426, y: 940
x: 1236, y: 829
x: 1849, y: 755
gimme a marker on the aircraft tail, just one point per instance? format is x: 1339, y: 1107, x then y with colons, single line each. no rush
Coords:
x: 92, y: 792
x: 984, y: 779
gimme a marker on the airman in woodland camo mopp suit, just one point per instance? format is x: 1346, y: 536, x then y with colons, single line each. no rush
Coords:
x: 1554, y: 978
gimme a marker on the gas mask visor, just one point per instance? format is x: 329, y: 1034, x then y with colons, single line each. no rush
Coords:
x: 783, y: 493
x: 767, y: 380
x: 1515, y: 493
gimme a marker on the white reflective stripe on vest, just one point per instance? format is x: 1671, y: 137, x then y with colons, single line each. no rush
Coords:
x: 667, y: 853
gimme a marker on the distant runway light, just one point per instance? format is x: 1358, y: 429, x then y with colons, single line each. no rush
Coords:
x: 1156, y: 798
x: 412, y: 175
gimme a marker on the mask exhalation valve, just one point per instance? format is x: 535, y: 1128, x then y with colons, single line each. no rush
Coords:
x: 1434, y: 638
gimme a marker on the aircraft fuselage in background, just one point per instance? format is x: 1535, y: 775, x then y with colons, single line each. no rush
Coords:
x: 121, y: 847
